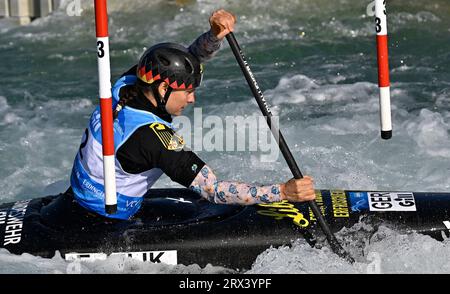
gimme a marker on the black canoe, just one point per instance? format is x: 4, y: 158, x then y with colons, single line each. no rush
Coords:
x: 175, y: 226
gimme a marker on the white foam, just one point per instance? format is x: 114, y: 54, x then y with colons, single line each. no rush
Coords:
x: 329, y: 111
x: 3, y: 104
x: 28, y: 264
x: 386, y: 251
x: 420, y: 17
x: 430, y: 132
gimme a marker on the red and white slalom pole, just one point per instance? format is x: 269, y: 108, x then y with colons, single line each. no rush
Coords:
x: 383, y: 69
x: 104, y: 78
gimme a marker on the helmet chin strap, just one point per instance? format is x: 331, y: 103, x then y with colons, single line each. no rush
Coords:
x: 161, y: 102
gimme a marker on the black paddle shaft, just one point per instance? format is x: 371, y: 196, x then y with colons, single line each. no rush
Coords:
x: 254, y: 87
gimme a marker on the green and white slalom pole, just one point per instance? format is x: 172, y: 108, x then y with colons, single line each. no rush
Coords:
x: 106, y: 111
x: 383, y: 69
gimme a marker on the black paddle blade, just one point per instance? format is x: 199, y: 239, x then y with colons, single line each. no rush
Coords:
x: 340, y: 251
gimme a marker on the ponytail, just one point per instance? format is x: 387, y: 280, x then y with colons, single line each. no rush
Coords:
x: 126, y: 94
x: 129, y: 92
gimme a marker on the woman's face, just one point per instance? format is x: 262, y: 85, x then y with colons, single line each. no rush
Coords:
x: 178, y: 100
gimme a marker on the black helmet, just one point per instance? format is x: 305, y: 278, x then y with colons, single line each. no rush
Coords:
x: 170, y: 63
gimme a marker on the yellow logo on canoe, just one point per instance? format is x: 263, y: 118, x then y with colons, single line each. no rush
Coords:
x: 283, y: 209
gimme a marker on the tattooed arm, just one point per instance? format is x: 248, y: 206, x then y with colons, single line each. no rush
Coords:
x: 222, y: 192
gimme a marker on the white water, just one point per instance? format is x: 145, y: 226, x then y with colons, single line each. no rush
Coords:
x: 322, y: 84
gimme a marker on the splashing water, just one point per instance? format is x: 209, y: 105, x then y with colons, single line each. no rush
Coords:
x: 316, y: 62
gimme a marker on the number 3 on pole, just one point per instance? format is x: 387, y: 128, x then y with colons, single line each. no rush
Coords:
x: 377, y: 25
x: 101, y: 50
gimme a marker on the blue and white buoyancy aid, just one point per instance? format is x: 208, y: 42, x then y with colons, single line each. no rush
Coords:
x: 87, y: 173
